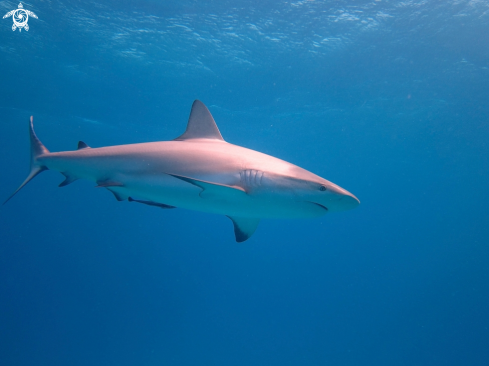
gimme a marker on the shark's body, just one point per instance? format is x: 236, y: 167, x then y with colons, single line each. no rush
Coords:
x: 198, y: 171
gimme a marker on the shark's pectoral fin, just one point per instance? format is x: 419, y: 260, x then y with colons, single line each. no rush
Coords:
x: 244, y: 227
x: 68, y: 180
x: 151, y: 203
x: 210, y: 189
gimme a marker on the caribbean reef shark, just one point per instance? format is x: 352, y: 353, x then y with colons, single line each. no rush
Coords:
x: 198, y: 171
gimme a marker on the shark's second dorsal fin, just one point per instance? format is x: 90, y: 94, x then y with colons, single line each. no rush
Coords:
x: 200, y: 125
x: 82, y: 145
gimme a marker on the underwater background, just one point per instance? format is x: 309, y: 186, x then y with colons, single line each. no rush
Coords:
x: 388, y: 99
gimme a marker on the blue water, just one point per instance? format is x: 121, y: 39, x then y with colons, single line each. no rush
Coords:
x: 387, y: 99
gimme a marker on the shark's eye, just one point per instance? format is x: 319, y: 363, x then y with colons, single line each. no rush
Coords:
x: 322, y: 188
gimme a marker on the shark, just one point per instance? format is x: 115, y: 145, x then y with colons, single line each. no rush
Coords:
x: 197, y: 171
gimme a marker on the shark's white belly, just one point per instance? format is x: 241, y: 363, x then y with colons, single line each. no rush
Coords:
x: 171, y: 191
x: 147, y: 179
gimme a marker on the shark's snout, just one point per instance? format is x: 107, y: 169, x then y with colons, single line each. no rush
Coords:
x: 348, y: 202
x: 340, y: 199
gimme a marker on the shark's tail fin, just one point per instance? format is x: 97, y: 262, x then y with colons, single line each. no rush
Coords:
x: 37, y: 149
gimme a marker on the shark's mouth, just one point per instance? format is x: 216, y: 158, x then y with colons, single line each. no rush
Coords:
x: 318, y: 204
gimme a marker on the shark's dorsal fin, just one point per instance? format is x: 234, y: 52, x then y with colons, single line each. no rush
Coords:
x: 200, y: 125
x: 82, y: 145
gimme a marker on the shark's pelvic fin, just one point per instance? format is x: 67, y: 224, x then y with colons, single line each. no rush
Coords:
x: 82, y: 145
x: 112, y: 187
x: 244, y: 227
x: 37, y: 149
x: 151, y: 203
x: 68, y: 180
x: 118, y: 196
x: 209, y: 188
x: 200, y: 125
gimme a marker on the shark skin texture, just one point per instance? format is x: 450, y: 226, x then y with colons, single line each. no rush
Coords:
x: 198, y: 171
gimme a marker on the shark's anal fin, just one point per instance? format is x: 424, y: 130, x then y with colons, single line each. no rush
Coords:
x: 200, y: 124
x: 244, y: 227
x: 209, y: 188
x: 82, y: 145
x: 151, y: 203
x: 68, y: 180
